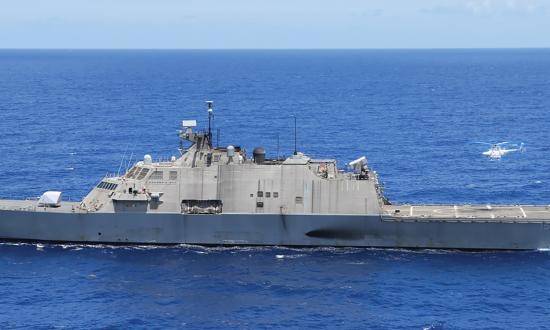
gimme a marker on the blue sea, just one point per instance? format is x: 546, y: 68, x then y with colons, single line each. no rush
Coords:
x: 69, y: 117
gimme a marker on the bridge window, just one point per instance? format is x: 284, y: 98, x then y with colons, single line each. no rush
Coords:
x: 260, y: 194
x: 275, y: 194
x: 107, y: 185
x: 267, y: 194
x: 132, y: 172
x: 143, y: 173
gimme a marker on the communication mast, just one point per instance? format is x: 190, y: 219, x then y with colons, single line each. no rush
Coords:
x: 210, y: 116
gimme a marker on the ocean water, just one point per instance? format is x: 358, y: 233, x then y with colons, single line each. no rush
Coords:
x: 69, y: 117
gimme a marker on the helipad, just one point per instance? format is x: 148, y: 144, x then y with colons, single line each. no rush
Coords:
x: 464, y: 212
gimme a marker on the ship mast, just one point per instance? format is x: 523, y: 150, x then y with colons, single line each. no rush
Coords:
x: 295, y: 137
x: 210, y: 116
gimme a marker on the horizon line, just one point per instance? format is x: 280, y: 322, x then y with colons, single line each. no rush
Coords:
x: 281, y: 49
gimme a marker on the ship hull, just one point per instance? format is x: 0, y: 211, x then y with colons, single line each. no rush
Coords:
x: 273, y: 229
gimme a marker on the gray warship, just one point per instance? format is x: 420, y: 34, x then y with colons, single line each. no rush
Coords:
x: 221, y: 196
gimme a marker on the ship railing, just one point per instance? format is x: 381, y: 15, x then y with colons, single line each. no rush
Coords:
x: 111, y: 175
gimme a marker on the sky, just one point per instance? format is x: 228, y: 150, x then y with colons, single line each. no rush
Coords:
x: 267, y: 24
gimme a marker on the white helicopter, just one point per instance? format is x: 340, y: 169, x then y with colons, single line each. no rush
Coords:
x: 497, y: 150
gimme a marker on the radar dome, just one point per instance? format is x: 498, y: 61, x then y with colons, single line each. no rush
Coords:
x: 230, y: 151
x: 259, y: 155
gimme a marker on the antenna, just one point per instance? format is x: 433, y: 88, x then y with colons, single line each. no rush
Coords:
x: 122, y: 161
x: 210, y: 115
x: 295, y: 137
x: 218, y: 137
x: 130, y: 159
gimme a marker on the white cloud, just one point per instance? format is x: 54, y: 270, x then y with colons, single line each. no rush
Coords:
x: 497, y: 7
x: 489, y: 7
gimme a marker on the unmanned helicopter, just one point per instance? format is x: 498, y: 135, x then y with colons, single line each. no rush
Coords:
x: 497, y: 150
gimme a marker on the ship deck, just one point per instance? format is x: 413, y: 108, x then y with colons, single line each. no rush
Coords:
x: 501, y: 213
x: 498, y: 213
x: 32, y: 206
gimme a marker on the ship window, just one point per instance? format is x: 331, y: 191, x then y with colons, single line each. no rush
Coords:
x: 143, y: 173
x: 260, y: 194
x: 132, y: 172
x: 275, y: 194
x: 157, y: 175
x: 267, y: 194
x: 259, y: 204
x: 107, y: 185
x: 251, y: 195
x: 173, y: 175
x: 299, y: 199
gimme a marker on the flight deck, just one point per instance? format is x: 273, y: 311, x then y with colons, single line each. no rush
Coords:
x: 467, y: 213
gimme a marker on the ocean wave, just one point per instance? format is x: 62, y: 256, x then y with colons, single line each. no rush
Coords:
x: 285, y: 251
